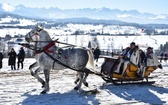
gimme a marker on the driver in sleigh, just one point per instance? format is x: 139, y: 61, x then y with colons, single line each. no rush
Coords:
x: 125, y: 58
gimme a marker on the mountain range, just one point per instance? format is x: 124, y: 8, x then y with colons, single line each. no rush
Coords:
x: 55, y: 13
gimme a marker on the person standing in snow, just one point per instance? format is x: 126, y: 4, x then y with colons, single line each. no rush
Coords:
x: 96, y: 53
x: 12, y: 59
x: 1, y: 58
x: 165, y: 57
x: 21, y: 56
x: 161, y: 56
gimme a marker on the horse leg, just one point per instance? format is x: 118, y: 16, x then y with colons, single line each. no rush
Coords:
x: 32, y: 66
x: 47, y: 78
x: 80, y: 74
x: 84, y: 79
x: 35, y: 74
x: 77, y: 78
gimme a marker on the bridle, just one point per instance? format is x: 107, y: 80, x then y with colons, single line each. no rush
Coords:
x: 30, y: 36
x: 44, y: 49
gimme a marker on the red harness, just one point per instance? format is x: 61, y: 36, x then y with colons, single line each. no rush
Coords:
x: 46, y: 48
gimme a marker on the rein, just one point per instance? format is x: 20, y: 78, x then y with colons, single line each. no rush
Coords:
x: 45, y: 50
x: 89, y: 71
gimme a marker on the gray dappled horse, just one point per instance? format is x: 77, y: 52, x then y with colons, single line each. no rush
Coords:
x: 48, y: 56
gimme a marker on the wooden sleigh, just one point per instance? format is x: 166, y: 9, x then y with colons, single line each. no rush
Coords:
x: 109, y: 66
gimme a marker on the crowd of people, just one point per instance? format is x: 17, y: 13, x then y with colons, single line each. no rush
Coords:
x: 12, y: 58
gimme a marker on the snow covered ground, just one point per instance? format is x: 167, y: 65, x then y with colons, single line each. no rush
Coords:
x: 20, y: 88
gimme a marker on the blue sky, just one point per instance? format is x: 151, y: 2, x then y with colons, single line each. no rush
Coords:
x: 151, y: 6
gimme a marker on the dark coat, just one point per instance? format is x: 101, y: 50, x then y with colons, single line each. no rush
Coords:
x: 21, y: 55
x: 165, y: 56
x: 96, y: 53
x: 12, y: 58
x: 143, y: 56
x: 1, y: 58
x: 128, y: 50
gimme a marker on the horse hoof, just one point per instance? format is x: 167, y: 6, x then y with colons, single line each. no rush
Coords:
x: 86, y: 84
x: 43, y: 92
x: 32, y: 74
x: 43, y: 85
x: 77, y: 80
x: 76, y: 88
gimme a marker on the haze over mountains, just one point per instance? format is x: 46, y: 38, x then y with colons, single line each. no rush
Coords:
x: 55, y: 13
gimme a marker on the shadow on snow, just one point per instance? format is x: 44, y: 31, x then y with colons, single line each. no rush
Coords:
x: 137, y: 93
x: 68, y: 98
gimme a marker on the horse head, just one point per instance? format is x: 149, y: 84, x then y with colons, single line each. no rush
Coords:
x: 40, y: 39
x: 33, y: 35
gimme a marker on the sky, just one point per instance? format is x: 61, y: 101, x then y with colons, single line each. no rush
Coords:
x: 150, y: 6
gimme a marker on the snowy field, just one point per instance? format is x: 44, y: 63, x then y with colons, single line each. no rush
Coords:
x: 20, y: 88
x: 106, y: 42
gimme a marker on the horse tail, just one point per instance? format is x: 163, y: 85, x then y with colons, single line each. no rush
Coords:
x: 90, y: 63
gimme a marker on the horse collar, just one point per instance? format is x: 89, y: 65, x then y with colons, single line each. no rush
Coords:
x: 46, y: 48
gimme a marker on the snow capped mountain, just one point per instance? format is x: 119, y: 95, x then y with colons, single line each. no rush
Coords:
x: 8, y: 7
x: 100, y: 13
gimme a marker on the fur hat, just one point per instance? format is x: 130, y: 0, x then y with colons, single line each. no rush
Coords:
x: 149, y: 48
x: 132, y: 43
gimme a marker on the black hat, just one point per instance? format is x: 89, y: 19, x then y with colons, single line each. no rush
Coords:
x: 149, y: 48
x: 132, y: 43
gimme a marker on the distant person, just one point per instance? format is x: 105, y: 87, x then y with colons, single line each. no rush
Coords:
x: 96, y: 53
x: 12, y: 59
x: 112, y: 53
x: 21, y: 56
x: 161, y: 56
x: 165, y: 57
x: 1, y: 58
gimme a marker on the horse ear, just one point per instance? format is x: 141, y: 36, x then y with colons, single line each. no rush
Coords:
x: 36, y: 27
x: 41, y: 26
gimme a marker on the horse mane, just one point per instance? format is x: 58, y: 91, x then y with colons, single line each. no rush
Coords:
x: 45, y: 34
